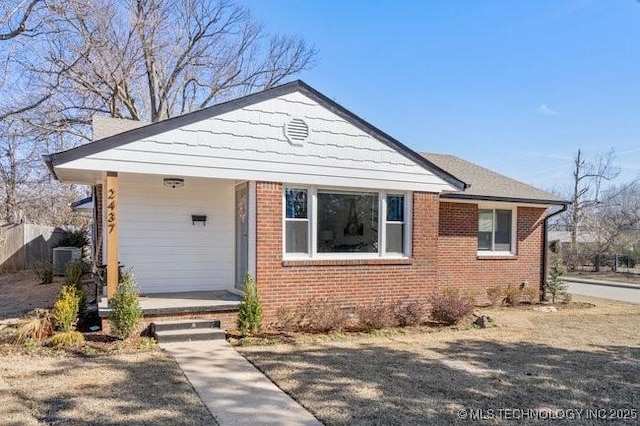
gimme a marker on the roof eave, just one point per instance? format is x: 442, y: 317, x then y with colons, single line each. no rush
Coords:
x: 462, y: 196
x: 81, y: 202
x: 48, y: 161
x: 382, y: 136
x: 138, y: 133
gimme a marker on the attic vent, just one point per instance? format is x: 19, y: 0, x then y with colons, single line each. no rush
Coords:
x: 296, y: 131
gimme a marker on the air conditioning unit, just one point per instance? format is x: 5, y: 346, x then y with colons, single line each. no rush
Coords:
x: 62, y: 256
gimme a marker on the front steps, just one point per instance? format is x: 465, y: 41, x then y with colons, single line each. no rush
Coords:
x: 186, y: 330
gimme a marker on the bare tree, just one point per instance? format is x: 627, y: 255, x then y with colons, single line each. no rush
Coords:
x: 154, y: 59
x: 136, y: 59
x: 24, y: 26
x: 22, y: 23
x: 588, y: 176
x: 14, y: 18
x: 614, y: 221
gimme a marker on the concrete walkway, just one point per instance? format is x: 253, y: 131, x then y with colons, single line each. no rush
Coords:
x: 235, y: 392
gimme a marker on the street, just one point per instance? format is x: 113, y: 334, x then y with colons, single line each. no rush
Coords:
x: 604, y: 289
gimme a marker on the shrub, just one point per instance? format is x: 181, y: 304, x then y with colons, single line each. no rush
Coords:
x: 65, y: 310
x: 43, y: 271
x: 495, y: 295
x: 374, y: 316
x: 37, y: 326
x: 287, y: 318
x: 531, y: 294
x: 125, y: 307
x: 449, y: 309
x: 320, y: 315
x: 67, y: 339
x: 250, y: 310
x: 147, y: 343
x: 512, y: 295
x: 73, y: 277
x: 555, y: 284
x: 74, y: 238
x: 567, y: 298
x: 73, y: 273
x: 409, y: 313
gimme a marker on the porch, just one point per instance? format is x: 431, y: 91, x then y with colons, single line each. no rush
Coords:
x: 191, y: 238
x: 182, y: 304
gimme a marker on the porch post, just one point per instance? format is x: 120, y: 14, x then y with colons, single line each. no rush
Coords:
x: 112, y: 233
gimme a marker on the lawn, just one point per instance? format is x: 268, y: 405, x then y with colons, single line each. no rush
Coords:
x: 571, y: 359
x: 21, y: 292
x: 122, y: 389
x: 123, y: 385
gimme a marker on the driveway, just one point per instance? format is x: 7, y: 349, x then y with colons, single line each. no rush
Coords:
x: 604, y: 289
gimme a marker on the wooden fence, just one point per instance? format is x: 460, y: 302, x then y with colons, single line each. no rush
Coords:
x: 21, y: 245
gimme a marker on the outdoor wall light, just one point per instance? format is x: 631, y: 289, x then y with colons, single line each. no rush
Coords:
x: 173, y: 182
x: 199, y: 218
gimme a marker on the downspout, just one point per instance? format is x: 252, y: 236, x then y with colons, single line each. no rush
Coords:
x: 543, y: 269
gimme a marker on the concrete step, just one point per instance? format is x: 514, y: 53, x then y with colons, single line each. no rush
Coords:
x: 188, y: 324
x: 189, y: 335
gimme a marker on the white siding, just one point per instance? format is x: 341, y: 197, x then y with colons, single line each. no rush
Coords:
x: 249, y: 144
x: 157, y: 239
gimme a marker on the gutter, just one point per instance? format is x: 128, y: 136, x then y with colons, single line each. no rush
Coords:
x: 543, y: 268
x: 465, y: 196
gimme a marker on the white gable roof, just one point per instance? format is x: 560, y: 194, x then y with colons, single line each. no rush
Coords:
x: 248, y: 142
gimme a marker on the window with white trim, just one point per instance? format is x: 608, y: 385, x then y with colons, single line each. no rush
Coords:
x: 330, y: 223
x: 347, y: 222
x: 395, y: 224
x: 495, y: 230
x: 297, y: 221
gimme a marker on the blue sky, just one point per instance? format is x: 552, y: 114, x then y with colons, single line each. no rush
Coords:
x: 516, y: 86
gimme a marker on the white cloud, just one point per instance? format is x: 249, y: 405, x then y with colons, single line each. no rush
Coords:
x: 546, y: 110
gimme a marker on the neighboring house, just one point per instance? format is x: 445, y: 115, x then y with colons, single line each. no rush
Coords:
x: 83, y: 207
x: 313, y: 201
x: 564, y: 238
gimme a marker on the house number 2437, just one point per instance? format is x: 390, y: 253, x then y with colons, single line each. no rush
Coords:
x: 111, y: 209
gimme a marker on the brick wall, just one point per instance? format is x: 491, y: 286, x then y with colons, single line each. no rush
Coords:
x: 444, y: 255
x: 458, y: 263
x: 348, y: 282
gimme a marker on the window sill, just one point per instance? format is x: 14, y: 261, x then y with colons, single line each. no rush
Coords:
x: 487, y: 256
x: 347, y: 262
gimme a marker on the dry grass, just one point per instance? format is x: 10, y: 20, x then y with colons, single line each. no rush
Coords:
x: 21, y: 292
x: 570, y: 359
x: 143, y: 388
x: 40, y: 385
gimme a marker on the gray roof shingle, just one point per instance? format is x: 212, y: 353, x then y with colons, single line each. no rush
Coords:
x: 489, y: 185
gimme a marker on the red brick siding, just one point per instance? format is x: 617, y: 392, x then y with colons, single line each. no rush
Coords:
x: 458, y: 264
x: 290, y: 283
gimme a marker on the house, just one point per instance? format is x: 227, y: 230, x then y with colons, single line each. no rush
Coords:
x: 313, y: 201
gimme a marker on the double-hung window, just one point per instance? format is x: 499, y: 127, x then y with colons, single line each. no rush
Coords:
x: 395, y: 224
x: 329, y: 223
x: 297, y: 221
x: 495, y: 231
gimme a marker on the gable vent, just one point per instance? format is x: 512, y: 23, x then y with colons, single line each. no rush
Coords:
x: 296, y: 130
